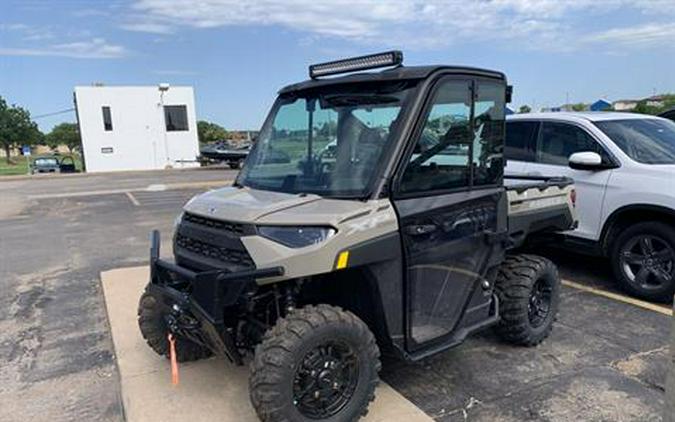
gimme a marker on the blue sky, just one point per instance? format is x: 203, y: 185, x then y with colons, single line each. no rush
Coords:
x: 237, y: 54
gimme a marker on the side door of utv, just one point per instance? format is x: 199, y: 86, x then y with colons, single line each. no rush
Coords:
x: 449, y: 196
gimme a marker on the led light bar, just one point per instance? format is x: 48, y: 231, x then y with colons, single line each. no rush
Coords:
x: 373, y: 61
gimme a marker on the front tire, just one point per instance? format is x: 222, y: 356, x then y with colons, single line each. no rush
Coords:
x: 528, y: 288
x: 643, y: 260
x: 155, y: 331
x: 318, y: 363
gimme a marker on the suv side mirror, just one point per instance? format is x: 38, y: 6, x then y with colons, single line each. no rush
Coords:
x: 586, y: 160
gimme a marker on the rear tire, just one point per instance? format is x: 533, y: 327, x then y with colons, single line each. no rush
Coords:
x: 628, y: 256
x: 528, y: 288
x: 154, y: 330
x: 315, y: 354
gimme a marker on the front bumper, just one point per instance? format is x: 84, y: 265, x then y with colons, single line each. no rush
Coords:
x: 194, y: 303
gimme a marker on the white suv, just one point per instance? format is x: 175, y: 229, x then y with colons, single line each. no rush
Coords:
x: 623, y: 166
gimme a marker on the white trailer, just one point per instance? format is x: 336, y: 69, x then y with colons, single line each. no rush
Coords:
x: 137, y: 127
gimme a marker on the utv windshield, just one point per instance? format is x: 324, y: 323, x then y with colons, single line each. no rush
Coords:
x: 328, y: 142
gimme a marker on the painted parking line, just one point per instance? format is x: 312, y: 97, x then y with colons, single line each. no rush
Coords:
x: 150, y: 188
x: 133, y: 199
x: 620, y: 298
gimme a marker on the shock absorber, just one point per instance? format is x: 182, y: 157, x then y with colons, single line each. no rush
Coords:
x: 289, y: 299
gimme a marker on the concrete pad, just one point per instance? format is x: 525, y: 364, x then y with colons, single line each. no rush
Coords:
x: 210, y: 390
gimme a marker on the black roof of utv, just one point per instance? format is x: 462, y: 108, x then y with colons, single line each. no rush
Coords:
x: 397, y: 73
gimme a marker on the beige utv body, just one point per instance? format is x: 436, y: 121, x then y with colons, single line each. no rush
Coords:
x: 372, y: 214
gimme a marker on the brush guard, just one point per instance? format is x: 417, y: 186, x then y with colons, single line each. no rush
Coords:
x: 197, y: 312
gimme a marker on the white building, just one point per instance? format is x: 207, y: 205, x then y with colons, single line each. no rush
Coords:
x: 625, y: 105
x: 137, y: 127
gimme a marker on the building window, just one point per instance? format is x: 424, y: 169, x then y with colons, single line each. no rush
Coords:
x: 175, y: 117
x: 107, y: 119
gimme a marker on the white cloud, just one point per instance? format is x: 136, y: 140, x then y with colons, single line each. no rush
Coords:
x: 28, y: 32
x: 96, y: 48
x: 174, y: 72
x: 640, y: 35
x: 151, y: 27
x: 423, y: 23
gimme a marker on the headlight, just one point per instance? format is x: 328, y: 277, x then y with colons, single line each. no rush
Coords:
x: 296, y: 237
x: 177, y: 220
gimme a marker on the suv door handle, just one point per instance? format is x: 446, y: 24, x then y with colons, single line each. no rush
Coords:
x: 420, y: 229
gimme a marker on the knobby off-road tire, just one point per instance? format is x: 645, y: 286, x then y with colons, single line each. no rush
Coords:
x: 154, y: 330
x: 280, y: 367
x: 527, y: 285
x: 647, y: 247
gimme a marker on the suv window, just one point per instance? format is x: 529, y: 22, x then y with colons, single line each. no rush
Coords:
x: 520, y: 140
x: 560, y: 140
x: 440, y: 159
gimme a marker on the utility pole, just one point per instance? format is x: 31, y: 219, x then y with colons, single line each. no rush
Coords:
x: 163, y: 87
x: 567, y: 101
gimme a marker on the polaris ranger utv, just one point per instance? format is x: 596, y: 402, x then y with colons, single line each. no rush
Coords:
x: 399, y: 245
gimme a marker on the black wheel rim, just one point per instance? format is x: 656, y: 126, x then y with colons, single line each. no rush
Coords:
x: 539, y: 305
x: 647, y: 262
x: 325, y: 380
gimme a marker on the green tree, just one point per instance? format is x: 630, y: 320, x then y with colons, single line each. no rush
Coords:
x: 579, y: 107
x: 64, y: 134
x: 524, y: 109
x: 210, y: 132
x: 644, y: 108
x: 16, y: 128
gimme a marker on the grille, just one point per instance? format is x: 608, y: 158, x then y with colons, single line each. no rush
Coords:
x: 226, y: 255
x: 215, y: 224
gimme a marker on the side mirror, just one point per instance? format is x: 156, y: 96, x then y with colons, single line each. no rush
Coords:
x: 586, y: 160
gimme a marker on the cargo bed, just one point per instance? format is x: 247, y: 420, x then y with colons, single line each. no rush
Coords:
x: 539, y: 205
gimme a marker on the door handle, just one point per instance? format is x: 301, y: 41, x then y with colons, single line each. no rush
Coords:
x: 420, y: 229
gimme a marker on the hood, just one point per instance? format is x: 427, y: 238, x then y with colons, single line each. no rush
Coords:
x: 244, y: 204
x: 256, y: 206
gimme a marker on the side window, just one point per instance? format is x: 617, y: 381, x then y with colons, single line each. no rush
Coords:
x: 488, y: 134
x: 107, y: 119
x: 440, y: 159
x: 176, y: 119
x: 560, y: 140
x: 520, y: 140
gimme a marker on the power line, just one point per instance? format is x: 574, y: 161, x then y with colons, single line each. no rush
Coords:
x: 53, y: 113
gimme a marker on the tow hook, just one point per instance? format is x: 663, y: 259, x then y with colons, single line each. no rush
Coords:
x: 179, y: 320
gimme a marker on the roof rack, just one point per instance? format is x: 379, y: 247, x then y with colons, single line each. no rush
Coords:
x: 372, y: 61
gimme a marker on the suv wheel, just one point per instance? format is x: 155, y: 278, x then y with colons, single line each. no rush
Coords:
x: 317, y: 363
x: 528, y: 288
x: 643, y: 260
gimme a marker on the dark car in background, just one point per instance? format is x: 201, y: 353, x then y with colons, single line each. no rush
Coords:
x: 224, y: 152
x: 670, y: 114
x: 45, y: 165
x: 53, y: 164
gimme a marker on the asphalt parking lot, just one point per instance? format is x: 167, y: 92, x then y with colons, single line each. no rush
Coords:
x: 606, y: 360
